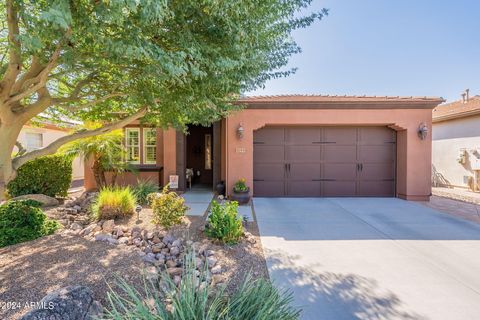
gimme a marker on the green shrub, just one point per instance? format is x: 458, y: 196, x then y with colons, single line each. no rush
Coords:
x: 168, y: 208
x: 143, y: 189
x: 224, y: 223
x: 114, y: 202
x: 50, y: 175
x: 254, y: 299
x: 23, y: 221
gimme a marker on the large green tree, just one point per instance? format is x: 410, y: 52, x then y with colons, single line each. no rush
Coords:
x: 170, y: 62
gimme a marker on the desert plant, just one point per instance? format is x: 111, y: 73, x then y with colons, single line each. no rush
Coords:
x: 114, y: 202
x: 23, y: 221
x: 168, y: 208
x: 50, y: 175
x: 105, y: 150
x: 224, y: 223
x: 240, y: 185
x: 142, y: 189
x: 254, y: 299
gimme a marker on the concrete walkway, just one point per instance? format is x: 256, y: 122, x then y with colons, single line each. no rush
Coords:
x: 371, y: 258
x: 198, y: 200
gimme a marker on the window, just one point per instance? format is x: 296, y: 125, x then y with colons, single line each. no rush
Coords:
x: 149, y: 146
x: 34, y: 141
x: 208, y: 152
x: 132, y: 143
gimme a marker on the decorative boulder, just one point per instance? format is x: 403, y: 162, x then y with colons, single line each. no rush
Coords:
x: 73, y: 303
x: 46, y: 201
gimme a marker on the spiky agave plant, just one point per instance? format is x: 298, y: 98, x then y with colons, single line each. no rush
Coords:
x: 194, y: 299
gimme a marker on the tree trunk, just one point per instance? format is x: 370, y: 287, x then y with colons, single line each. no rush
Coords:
x: 113, y: 181
x: 99, y: 173
x: 9, y: 131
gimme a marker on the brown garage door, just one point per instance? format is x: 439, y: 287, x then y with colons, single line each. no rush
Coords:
x: 324, y: 161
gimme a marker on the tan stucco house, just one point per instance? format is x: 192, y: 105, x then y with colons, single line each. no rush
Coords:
x: 298, y: 146
x: 43, y: 133
x: 456, y: 143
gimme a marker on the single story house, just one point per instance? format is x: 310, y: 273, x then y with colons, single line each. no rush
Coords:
x: 298, y: 146
x: 44, y: 132
x: 456, y: 143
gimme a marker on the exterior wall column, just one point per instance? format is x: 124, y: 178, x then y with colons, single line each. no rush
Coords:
x: 169, y: 154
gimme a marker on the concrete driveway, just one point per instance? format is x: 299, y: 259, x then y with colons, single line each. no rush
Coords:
x: 371, y: 258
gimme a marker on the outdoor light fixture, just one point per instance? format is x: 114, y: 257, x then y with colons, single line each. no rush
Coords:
x: 138, y: 208
x: 240, y: 131
x: 422, y: 131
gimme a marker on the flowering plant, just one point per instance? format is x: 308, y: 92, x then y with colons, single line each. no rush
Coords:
x: 240, y: 185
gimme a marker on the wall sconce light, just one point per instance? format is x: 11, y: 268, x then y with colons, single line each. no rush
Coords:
x: 240, y: 131
x: 422, y: 131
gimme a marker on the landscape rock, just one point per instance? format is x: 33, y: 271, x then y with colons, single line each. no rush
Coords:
x: 149, y: 259
x: 108, y: 226
x: 106, y: 238
x: 73, y: 302
x: 211, y: 261
x: 176, y: 271
x: 151, y: 273
x: 217, y: 269
x: 174, y: 251
x: 45, y: 200
x: 76, y: 226
x: 123, y: 240
x: 168, y: 239
x: 89, y: 229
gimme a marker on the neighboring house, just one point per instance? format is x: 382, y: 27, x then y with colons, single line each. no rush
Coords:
x: 34, y: 137
x: 456, y: 143
x: 298, y: 145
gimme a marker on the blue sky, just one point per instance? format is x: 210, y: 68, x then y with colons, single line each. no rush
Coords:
x: 387, y: 47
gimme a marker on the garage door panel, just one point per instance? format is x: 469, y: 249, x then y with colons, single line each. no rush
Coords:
x: 341, y: 154
x: 302, y: 136
x: 269, y: 171
x: 301, y: 171
x: 375, y: 135
x: 268, y: 154
x: 376, y: 188
x: 376, y: 154
x: 339, y: 171
x: 302, y: 153
x: 324, y: 161
x: 340, y: 135
x: 269, y: 188
x: 272, y: 135
x: 378, y: 171
x: 338, y: 188
x: 303, y: 188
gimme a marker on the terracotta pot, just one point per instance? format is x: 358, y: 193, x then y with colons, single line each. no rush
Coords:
x: 241, y: 197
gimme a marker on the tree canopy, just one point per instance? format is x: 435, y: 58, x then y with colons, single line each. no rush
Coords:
x: 170, y: 62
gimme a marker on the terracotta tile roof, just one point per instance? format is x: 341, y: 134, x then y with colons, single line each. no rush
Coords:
x: 339, y: 98
x: 302, y: 101
x: 457, y: 109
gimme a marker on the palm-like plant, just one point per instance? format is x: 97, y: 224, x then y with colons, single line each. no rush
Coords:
x: 105, y: 150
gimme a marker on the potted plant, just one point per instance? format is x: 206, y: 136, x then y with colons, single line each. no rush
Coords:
x: 241, y: 193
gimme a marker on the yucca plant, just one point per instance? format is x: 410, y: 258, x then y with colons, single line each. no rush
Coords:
x: 142, y: 189
x: 114, y: 202
x: 254, y: 299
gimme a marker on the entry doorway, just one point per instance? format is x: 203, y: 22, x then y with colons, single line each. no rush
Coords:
x: 199, y: 157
